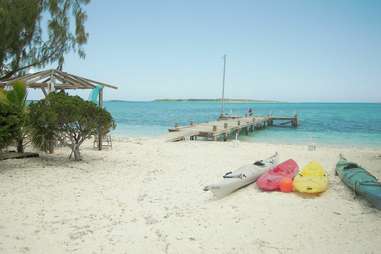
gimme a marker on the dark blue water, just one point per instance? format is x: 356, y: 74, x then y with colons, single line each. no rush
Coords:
x: 357, y: 124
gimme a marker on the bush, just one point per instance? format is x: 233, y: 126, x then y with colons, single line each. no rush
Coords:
x: 69, y: 120
x: 8, y: 125
x: 13, y: 110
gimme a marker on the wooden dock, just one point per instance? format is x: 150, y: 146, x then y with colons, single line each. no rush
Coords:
x: 227, y: 127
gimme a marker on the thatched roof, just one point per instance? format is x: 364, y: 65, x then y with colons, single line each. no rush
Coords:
x: 57, y: 79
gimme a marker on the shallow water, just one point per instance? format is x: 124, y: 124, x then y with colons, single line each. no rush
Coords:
x: 337, y: 124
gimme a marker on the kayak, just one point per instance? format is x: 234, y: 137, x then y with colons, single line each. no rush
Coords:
x: 270, y: 180
x: 360, y: 181
x: 242, y: 177
x: 312, y: 179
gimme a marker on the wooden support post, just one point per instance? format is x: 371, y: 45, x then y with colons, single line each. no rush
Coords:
x: 270, y: 121
x: 44, y: 91
x: 99, y: 128
x: 294, y: 121
x: 225, y: 136
x: 214, y: 128
x: 51, y: 84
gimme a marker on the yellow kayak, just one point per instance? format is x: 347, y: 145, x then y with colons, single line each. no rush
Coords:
x: 311, y: 179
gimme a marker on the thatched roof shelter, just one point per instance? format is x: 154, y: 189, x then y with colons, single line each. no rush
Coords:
x: 51, y: 80
x: 54, y: 80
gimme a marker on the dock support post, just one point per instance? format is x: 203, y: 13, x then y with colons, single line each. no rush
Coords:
x: 100, y: 136
x: 294, y: 121
x: 214, y: 129
x: 270, y: 120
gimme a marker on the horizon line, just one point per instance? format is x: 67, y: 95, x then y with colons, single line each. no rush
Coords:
x: 249, y: 101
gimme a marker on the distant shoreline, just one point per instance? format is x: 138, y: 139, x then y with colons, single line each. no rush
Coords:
x: 239, y: 101
x: 219, y: 100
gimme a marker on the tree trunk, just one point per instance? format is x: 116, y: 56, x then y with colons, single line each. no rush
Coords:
x: 76, y: 152
x: 51, y: 147
x: 20, y: 146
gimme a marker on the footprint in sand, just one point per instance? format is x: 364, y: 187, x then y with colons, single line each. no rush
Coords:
x: 150, y: 220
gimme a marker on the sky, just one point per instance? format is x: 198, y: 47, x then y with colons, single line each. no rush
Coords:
x: 295, y: 51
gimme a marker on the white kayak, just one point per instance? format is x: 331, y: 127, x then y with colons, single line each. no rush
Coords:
x: 241, y: 177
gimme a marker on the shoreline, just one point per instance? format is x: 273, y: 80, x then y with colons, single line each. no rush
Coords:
x: 318, y: 145
x: 145, y: 195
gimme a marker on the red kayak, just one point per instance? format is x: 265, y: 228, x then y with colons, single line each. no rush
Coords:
x: 270, y: 180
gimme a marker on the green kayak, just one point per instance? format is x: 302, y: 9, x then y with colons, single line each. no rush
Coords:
x: 360, y: 180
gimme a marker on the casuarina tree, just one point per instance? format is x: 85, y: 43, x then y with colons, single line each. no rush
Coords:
x: 35, y: 33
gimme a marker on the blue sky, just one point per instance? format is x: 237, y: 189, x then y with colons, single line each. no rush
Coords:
x: 277, y: 50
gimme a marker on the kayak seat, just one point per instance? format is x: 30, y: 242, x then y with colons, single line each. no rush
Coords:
x: 259, y: 163
x: 350, y: 166
x: 229, y: 175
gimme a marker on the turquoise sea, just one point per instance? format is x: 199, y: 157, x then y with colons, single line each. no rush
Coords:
x: 337, y: 124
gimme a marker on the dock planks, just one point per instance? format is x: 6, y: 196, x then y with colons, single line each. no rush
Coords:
x: 224, y: 128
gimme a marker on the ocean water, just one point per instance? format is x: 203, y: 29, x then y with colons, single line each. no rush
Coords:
x: 336, y: 124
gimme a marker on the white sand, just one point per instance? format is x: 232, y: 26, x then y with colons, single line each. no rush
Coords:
x: 145, y: 196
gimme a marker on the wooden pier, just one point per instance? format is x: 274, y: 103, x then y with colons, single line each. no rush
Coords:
x: 227, y: 127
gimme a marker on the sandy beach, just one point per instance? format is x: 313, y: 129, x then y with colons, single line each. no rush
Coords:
x: 146, y: 196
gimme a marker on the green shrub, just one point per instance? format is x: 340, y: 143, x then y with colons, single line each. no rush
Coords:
x: 8, y: 125
x: 13, y: 110
x: 69, y: 120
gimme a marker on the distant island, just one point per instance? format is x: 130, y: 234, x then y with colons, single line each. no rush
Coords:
x: 219, y: 100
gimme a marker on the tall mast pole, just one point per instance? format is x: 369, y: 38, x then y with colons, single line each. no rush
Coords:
x: 223, y: 87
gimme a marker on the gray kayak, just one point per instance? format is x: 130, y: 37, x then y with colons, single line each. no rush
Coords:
x: 242, y: 177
